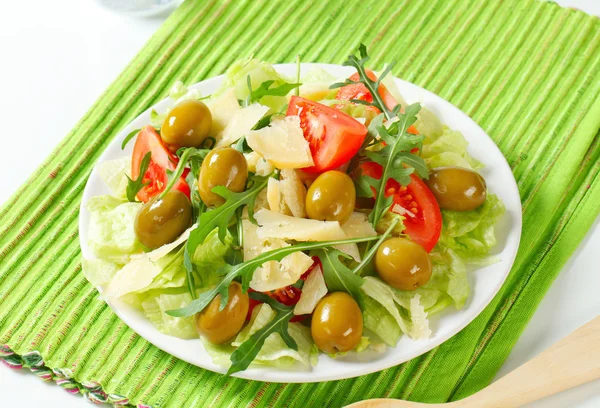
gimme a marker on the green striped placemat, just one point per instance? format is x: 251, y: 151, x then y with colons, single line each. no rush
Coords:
x: 528, y: 72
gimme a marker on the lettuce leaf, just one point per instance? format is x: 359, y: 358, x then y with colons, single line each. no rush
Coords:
x: 390, y: 83
x: 179, y: 92
x: 389, y: 312
x: 448, y: 149
x: 428, y: 124
x: 155, y: 307
x: 98, y: 271
x: 114, y: 172
x: 315, y: 84
x: 210, y: 256
x: 274, y: 352
x: 259, y: 72
x: 111, y: 235
x: 471, y: 234
x: 380, y: 322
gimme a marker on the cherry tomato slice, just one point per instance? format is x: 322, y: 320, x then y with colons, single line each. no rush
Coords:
x: 333, y: 136
x: 422, y: 215
x: 161, y: 160
x: 360, y: 91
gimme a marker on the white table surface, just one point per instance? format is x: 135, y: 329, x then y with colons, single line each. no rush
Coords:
x: 58, y: 57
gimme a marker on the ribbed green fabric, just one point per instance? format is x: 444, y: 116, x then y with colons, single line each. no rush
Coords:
x: 528, y: 72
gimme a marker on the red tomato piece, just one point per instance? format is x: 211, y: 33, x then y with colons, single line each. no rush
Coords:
x: 333, y: 136
x: 161, y: 160
x: 423, y: 218
x: 360, y: 91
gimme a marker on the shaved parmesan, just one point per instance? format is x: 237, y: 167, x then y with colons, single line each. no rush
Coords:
x: 140, y: 271
x: 275, y: 197
x: 420, y: 324
x: 293, y: 192
x: 357, y: 226
x: 241, y: 124
x: 272, y: 275
x: 251, y: 159
x: 263, y: 167
x: 135, y: 275
x: 282, y: 143
x: 313, y: 291
x: 275, y: 225
x: 222, y: 109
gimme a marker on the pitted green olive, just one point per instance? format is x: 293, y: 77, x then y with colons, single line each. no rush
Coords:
x: 162, y: 221
x: 188, y: 124
x: 457, y: 188
x: 220, y: 326
x: 403, y: 264
x: 222, y: 167
x: 331, y: 197
x: 337, y: 323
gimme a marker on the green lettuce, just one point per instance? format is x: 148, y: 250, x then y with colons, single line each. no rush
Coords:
x: 259, y: 72
x: 390, y: 83
x: 99, y: 271
x: 428, y: 124
x: 471, y: 234
x: 449, y: 149
x: 316, y: 83
x: 111, y: 235
x: 274, y: 352
x: 210, y: 256
x: 389, y: 312
x: 114, y: 172
x: 381, y: 315
x: 154, y: 308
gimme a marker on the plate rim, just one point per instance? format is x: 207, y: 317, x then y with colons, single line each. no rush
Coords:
x: 261, y: 373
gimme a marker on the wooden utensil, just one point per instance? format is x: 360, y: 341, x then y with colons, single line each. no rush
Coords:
x: 572, y: 361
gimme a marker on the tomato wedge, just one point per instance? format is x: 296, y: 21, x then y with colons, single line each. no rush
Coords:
x: 422, y: 215
x: 333, y: 136
x: 161, y: 160
x: 360, y: 91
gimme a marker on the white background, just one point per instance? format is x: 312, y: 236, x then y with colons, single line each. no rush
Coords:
x: 56, y: 58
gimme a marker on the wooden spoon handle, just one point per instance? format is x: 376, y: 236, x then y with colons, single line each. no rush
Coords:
x: 572, y: 361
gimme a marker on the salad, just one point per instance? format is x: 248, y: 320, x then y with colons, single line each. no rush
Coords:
x: 279, y: 218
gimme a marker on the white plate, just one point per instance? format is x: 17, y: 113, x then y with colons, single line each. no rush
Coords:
x: 485, y: 281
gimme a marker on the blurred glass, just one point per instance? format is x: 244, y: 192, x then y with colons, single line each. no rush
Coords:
x: 141, y: 8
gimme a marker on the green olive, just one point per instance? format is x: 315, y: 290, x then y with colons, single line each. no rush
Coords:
x: 331, y: 197
x: 187, y: 124
x: 457, y: 188
x: 403, y: 264
x: 337, y: 323
x: 220, y: 326
x: 160, y: 222
x: 222, y: 167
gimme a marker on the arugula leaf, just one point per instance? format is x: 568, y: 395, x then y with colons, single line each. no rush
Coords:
x: 174, y: 175
x: 395, y: 157
x: 265, y: 90
x: 129, y: 136
x: 220, y: 216
x: 134, y: 186
x: 247, y: 268
x: 338, y: 277
x: 248, y: 350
